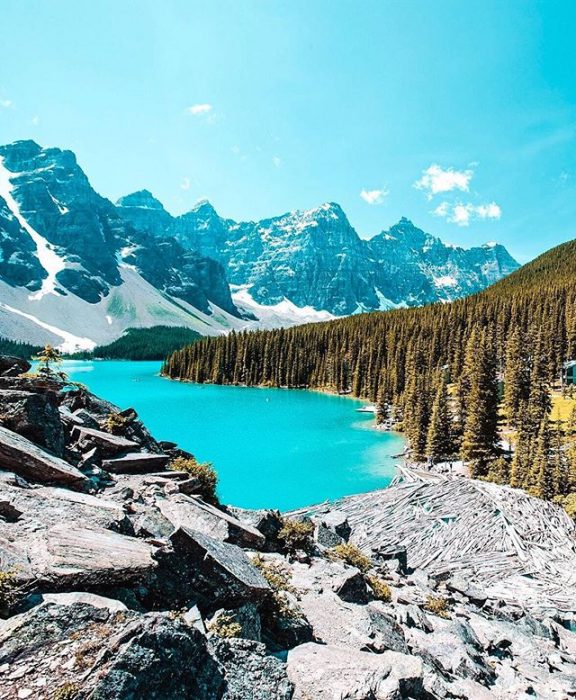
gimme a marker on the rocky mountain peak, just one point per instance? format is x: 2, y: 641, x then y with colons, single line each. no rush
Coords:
x: 328, y: 210
x: 59, y: 236
x: 405, y: 233
x: 142, y: 199
x: 19, y: 152
x: 204, y: 207
x: 26, y: 156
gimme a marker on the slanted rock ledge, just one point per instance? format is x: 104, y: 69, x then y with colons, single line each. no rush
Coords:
x: 117, y: 581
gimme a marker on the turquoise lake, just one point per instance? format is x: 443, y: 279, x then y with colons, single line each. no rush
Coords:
x: 272, y: 448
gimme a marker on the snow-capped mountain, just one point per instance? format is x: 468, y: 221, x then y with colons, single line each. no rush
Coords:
x: 77, y: 270
x: 316, y: 259
x: 74, y: 272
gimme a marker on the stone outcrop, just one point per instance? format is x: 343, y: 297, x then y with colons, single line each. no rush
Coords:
x: 325, y: 672
x: 13, y: 366
x: 34, y: 416
x: 22, y: 456
x: 122, y: 583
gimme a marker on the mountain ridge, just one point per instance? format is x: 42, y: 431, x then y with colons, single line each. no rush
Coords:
x: 77, y: 270
x: 314, y: 257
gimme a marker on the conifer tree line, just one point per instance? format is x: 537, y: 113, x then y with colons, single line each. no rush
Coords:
x: 457, y: 378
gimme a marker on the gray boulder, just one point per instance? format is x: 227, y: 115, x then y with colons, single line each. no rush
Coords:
x: 35, y: 416
x: 214, y: 573
x: 96, y: 601
x: 11, y: 366
x: 20, y: 455
x: 73, y: 557
x: 268, y: 522
x: 154, y: 657
x: 109, y: 444
x: 328, y: 672
x: 135, y: 463
x: 42, y: 507
x: 336, y: 521
x: 195, y: 514
x: 251, y: 673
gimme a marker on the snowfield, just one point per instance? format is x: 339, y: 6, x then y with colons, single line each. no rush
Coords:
x: 49, y: 259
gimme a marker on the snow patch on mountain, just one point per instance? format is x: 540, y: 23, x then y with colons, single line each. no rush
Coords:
x: 49, y: 259
x: 78, y: 324
x: 385, y: 304
x: 70, y: 342
x: 282, y: 314
x: 61, y: 208
x: 446, y: 281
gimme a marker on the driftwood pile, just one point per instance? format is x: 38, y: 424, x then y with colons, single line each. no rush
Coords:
x: 516, y: 547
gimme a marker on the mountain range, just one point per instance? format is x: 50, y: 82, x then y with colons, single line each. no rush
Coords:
x: 77, y: 270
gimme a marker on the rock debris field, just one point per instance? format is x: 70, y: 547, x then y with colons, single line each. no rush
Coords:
x: 119, y: 580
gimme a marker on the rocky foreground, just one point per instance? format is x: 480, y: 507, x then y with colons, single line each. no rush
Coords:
x: 119, y: 581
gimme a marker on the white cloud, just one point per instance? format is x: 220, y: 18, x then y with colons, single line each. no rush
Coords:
x: 277, y: 161
x: 436, y: 179
x: 442, y: 209
x: 185, y: 184
x: 35, y: 120
x: 199, y: 109
x: 6, y: 104
x: 374, y: 196
x: 489, y: 211
x: 462, y: 214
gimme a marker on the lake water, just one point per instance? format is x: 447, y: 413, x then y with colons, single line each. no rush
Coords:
x: 272, y: 448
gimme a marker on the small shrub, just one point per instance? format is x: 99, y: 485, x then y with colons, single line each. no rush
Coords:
x: 350, y: 554
x: 278, y: 577
x: 276, y: 574
x: 68, y: 691
x: 380, y: 588
x: 116, y: 423
x: 296, y: 534
x: 49, y: 358
x: 8, y: 587
x: 225, y: 626
x: 176, y: 615
x: 204, y: 472
x: 437, y: 606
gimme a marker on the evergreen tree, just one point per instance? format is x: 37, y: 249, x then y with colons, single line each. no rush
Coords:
x: 439, y: 441
x: 480, y: 437
x: 541, y: 481
x: 516, y: 378
x: 49, y: 358
x: 522, y: 459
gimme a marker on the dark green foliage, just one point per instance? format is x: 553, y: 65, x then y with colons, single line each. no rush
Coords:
x: 18, y: 349
x: 154, y: 343
x: 204, y: 472
x: 440, y: 444
x: 296, y: 534
x: 506, y: 343
x: 480, y: 435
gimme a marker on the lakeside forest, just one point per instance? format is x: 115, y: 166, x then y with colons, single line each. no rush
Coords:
x: 477, y: 379
x: 139, y: 344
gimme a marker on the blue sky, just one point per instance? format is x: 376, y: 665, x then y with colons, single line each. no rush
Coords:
x: 459, y: 115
